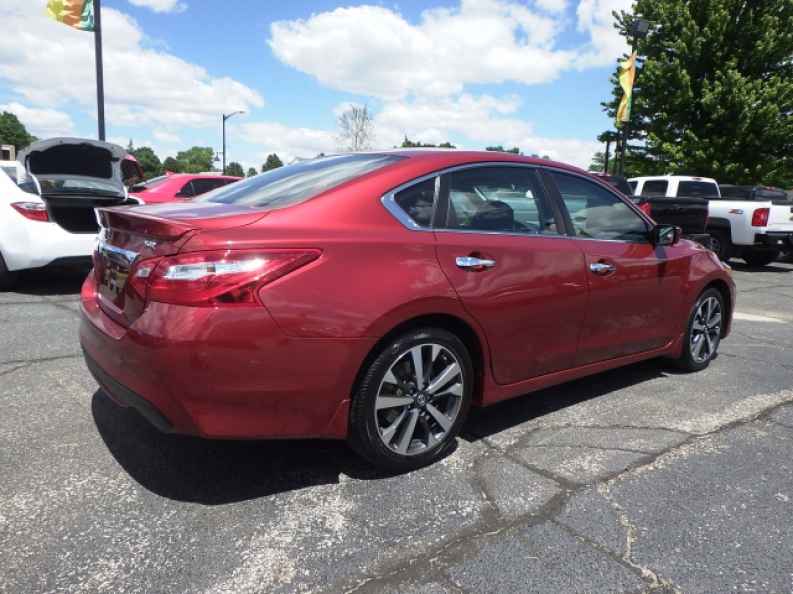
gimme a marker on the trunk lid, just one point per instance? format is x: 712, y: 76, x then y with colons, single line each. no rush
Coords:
x: 132, y: 236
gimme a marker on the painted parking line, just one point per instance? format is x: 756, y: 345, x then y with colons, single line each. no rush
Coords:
x: 747, y: 317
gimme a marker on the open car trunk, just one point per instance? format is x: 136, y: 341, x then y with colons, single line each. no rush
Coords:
x: 75, y: 176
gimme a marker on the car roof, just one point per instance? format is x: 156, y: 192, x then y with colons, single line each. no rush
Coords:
x: 671, y: 177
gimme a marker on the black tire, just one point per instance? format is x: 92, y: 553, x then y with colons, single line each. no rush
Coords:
x: 7, y: 278
x: 759, y: 258
x: 690, y: 360
x: 721, y: 244
x: 365, y: 435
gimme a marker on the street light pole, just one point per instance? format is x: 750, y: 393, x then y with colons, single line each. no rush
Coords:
x: 225, y: 117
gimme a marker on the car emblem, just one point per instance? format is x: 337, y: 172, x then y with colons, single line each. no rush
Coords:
x: 150, y: 244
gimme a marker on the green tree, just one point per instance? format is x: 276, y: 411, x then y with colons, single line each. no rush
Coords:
x: 714, y: 92
x: 500, y: 149
x: 196, y: 159
x: 407, y: 143
x: 12, y: 131
x: 172, y: 165
x: 251, y: 171
x: 235, y: 169
x: 148, y: 160
x: 272, y: 162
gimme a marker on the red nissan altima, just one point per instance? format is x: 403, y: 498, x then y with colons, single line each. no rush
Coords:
x: 377, y: 296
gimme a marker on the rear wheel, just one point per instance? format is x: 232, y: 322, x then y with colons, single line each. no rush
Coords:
x: 7, y: 278
x: 758, y: 258
x: 721, y: 243
x: 412, y: 400
x: 704, y: 331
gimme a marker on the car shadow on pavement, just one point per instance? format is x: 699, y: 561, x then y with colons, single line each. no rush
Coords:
x: 215, y: 472
x: 740, y: 266
x: 52, y: 281
x: 484, y: 422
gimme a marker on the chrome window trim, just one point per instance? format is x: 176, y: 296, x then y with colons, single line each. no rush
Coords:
x: 128, y: 255
x: 389, y: 201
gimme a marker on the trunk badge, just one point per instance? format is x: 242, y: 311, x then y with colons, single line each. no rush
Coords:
x: 150, y: 244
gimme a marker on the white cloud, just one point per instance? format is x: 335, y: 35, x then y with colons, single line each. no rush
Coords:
x: 50, y: 64
x: 161, y: 5
x: 288, y: 142
x: 595, y: 18
x: 557, y: 6
x: 164, y: 136
x: 376, y: 52
x: 44, y: 123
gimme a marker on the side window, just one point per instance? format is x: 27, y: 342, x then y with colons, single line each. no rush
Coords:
x: 495, y: 198
x: 418, y: 202
x: 597, y: 213
x: 187, y: 190
x: 632, y: 184
x: 655, y: 187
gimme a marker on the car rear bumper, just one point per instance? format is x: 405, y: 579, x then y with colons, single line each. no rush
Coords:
x: 34, y: 244
x: 781, y: 240
x: 221, y: 372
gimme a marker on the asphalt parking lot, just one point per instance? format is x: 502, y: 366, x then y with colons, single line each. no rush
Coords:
x: 636, y: 480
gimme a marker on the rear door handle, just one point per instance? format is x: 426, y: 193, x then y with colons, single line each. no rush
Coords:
x: 474, y: 263
x: 602, y: 268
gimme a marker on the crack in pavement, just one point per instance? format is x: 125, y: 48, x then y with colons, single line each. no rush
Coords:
x: 491, y: 525
x: 41, y: 359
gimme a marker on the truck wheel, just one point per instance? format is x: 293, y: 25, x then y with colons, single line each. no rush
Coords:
x: 759, y: 258
x: 721, y: 244
x: 7, y: 278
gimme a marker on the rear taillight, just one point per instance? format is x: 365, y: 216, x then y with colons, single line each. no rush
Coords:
x: 35, y: 211
x: 760, y: 217
x: 646, y: 208
x: 215, y: 278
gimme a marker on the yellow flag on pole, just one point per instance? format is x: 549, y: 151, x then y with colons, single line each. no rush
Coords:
x: 627, y: 75
x: 75, y: 13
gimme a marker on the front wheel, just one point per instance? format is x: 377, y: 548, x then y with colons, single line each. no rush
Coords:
x: 412, y: 400
x: 703, y: 334
x: 759, y: 258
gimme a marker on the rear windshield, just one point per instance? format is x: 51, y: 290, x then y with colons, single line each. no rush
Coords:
x: 10, y: 171
x: 293, y: 184
x: 153, y: 182
x: 697, y: 188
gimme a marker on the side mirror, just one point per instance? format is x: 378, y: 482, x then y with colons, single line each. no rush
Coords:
x: 665, y: 235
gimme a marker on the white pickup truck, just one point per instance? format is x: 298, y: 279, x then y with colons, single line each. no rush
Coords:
x: 755, y: 229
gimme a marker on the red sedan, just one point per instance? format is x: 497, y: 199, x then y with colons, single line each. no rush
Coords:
x: 179, y: 187
x: 377, y: 296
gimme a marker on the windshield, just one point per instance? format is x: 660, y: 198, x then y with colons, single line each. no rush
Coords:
x: 153, y: 182
x: 77, y: 186
x: 299, y: 182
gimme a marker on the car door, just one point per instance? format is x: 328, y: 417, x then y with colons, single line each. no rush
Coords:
x: 634, y: 287
x: 501, y: 244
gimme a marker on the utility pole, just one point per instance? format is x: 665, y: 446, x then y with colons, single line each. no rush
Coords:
x: 225, y: 117
x: 100, y: 80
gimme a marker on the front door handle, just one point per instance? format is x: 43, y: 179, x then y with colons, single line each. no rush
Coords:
x: 474, y: 263
x: 602, y: 268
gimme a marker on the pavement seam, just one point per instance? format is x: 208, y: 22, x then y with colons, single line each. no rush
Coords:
x: 469, y: 540
x: 41, y: 360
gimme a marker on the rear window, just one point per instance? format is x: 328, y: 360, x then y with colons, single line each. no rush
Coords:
x: 10, y: 171
x: 697, y: 188
x: 655, y: 188
x: 293, y: 184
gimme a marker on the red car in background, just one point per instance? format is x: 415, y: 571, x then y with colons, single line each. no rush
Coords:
x: 377, y: 296
x: 179, y: 187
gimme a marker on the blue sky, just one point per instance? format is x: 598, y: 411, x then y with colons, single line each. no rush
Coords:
x: 475, y: 72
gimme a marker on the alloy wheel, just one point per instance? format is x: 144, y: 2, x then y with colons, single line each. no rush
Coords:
x: 706, y: 330
x: 419, y: 399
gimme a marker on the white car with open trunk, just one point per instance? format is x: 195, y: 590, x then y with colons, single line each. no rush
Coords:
x: 48, y: 211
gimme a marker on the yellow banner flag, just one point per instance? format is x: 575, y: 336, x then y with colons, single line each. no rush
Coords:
x: 75, y: 13
x: 626, y: 76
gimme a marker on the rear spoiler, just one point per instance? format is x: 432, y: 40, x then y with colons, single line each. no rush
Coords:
x: 124, y: 219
